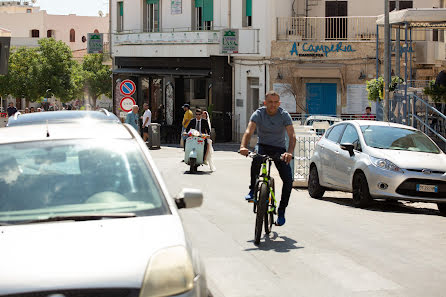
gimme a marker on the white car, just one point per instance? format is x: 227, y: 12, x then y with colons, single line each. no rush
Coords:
x: 84, y: 212
x: 379, y: 160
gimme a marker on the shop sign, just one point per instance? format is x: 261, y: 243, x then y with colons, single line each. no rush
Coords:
x: 229, y: 41
x: 95, y: 43
x: 319, y: 50
x: 176, y: 7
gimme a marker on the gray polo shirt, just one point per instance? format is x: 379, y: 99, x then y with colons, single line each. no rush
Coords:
x: 271, y: 129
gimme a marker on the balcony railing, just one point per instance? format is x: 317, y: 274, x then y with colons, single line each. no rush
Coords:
x: 166, y: 37
x: 362, y: 28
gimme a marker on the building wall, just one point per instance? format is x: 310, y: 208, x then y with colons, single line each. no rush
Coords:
x: 21, y: 24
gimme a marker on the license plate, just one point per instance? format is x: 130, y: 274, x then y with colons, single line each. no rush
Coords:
x: 427, y: 188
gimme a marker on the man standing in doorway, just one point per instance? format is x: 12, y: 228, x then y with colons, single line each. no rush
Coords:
x: 146, y: 120
x: 132, y: 118
x: 272, y: 123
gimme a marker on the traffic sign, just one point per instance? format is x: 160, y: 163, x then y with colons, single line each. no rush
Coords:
x: 127, y: 103
x: 127, y: 87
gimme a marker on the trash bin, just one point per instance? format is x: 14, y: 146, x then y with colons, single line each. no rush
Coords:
x: 154, y: 140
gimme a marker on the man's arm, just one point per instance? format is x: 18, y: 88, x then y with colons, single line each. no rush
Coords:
x: 146, y: 121
x: 189, y: 126
x: 287, y: 157
x: 246, y: 137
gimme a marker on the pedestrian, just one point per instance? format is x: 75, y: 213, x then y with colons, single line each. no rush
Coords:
x: 368, y: 114
x: 26, y: 110
x: 147, y: 120
x: 31, y: 110
x: 188, y: 116
x: 11, y: 109
x: 272, y: 124
x: 132, y: 118
x: 210, y: 150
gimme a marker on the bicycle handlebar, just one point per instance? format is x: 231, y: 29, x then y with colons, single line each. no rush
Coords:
x: 254, y: 154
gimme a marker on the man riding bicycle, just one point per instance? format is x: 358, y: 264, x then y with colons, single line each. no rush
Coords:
x: 272, y: 122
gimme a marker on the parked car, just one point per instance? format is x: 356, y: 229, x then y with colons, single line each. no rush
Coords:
x: 378, y: 160
x: 63, y: 116
x: 85, y: 212
x: 311, y: 120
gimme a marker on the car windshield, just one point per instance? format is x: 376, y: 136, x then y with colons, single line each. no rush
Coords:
x: 44, y: 179
x: 395, y: 138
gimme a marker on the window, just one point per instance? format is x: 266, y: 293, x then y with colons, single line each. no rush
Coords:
x: 403, y: 5
x: 120, y: 19
x: 351, y: 136
x: 50, y: 33
x: 72, y: 35
x: 203, y: 14
x: 247, y: 13
x: 152, y: 15
x: 335, y: 133
x: 35, y: 33
x: 336, y: 24
x: 29, y: 10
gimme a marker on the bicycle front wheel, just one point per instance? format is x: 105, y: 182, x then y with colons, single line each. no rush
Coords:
x: 262, y: 207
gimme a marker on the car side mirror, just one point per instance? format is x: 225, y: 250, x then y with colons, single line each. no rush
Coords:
x: 189, y: 198
x: 349, y: 148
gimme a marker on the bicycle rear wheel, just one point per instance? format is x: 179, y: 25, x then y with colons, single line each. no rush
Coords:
x: 262, y: 207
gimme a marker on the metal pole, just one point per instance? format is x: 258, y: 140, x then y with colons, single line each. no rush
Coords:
x: 397, y: 47
x: 406, y: 47
x: 377, y: 51
x: 386, y: 60
x: 410, y: 56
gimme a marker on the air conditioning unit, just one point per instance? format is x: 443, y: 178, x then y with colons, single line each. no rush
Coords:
x: 429, y: 52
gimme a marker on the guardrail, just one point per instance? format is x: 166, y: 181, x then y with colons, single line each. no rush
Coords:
x: 353, y: 28
x: 303, y: 152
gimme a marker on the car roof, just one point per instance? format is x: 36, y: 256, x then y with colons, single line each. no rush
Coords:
x: 376, y: 123
x: 86, y: 129
x: 61, y: 116
x: 321, y: 117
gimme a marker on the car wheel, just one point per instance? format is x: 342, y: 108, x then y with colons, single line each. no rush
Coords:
x: 442, y: 208
x: 314, y: 188
x: 361, y: 194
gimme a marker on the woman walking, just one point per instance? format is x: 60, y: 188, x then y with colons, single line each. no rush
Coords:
x: 210, y: 150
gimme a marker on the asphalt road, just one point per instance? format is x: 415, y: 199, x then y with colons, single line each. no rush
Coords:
x: 326, y: 248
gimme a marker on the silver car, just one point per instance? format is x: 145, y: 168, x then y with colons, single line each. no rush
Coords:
x: 84, y: 212
x: 378, y: 160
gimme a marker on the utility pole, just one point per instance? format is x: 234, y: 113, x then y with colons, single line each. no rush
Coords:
x: 386, y: 60
x: 397, y: 47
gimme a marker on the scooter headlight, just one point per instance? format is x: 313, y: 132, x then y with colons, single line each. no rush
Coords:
x: 384, y: 164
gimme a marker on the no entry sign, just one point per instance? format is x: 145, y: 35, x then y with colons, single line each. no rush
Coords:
x: 127, y: 103
x: 127, y: 87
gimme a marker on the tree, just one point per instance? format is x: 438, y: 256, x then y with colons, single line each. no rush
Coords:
x: 22, y: 80
x: 97, y: 77
x: 293, y: 85
x: 59, y: 71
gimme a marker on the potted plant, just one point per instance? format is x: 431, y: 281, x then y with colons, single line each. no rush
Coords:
x: 375, y: 87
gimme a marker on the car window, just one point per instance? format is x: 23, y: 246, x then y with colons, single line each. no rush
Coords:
x: 50, y: 178
x: 335, y: 133
x: 396, y: 138
x: 351, y: 136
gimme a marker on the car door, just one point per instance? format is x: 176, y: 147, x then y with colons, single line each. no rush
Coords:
x: 329, y: 153
x: 345, y: 164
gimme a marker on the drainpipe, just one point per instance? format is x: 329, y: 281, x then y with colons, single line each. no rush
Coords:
x: 229, y: 13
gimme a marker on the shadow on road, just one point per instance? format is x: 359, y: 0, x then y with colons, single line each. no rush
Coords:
x: 274, y: 242
x: 386, y: 206
x: 199, y: 172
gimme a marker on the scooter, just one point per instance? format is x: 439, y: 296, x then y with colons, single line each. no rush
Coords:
x: 194, y: 152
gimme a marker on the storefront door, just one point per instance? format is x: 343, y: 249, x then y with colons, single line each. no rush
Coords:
x: 321, y: 98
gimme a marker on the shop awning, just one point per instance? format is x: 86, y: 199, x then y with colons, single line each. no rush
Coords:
x: 417, y: 17
x: 160, y: 71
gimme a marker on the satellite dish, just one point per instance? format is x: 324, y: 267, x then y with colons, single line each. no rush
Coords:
x: 101, y: 14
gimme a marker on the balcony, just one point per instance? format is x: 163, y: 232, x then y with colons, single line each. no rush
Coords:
x: 168, y: 36
x: 362, y: 28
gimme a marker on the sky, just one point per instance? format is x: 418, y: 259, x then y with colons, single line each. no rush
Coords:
x: 79, y: 7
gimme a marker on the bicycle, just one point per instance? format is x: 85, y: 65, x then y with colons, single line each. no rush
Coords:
x: 265, y: 203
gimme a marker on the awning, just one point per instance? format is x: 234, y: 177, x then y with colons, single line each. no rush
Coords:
x: 417, y: 17
x: 159, y: 71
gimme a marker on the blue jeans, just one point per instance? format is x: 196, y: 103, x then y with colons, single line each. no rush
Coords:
x: 284, y: 169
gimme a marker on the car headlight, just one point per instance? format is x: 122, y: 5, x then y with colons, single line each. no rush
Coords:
x: 384, y: 164
x: 170, y: 272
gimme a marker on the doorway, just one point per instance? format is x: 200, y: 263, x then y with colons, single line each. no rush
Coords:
x: 336, y: 22
x: 252, y: 98
x: 321, y: 98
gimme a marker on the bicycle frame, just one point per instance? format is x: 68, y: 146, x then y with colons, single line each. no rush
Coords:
x: 265, y: 175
